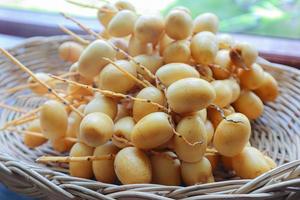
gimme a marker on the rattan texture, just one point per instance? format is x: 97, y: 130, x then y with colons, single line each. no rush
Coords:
x: 277, y: 133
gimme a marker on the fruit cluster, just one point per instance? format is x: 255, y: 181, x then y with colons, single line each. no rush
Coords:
x: 154, y: 100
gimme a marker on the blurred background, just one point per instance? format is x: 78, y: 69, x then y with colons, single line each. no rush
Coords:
x: 272, y: 25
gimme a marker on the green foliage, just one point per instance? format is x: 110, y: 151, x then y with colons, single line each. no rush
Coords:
x: 216, y: 6
x: 263, y: 17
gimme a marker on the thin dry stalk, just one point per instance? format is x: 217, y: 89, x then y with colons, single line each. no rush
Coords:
x: 74, y: 35
x: 22, y: 118
x: 110, y: 93
x: 12, y: 108
x: 24, y: 68
x: 67, y: 159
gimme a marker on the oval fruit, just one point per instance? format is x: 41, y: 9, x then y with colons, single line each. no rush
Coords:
x: 96, y: 129
x: 132, y: 166
x: 249, y: 104
x: 149, y: 28
x: 103, y: 104
x: 232, y: 134
x: 268, y: 91
x: 172, y: 72
x: 91, y: 60
x: 206, y: 22
x: 178, y: 24
x: 123, y: 129
x: 111, y: 78
x: 177, y: 52
x: 253, y: 78
x: 165, y: 168
x: 198, y: 172
x: 141, y: 109
x: 152, y: 131
x: 82, y: 169
x: 250, y: 163
x: 33, y: 141
x: 53, y: 119
x: 191, y: 129
x: 104, y: 169
x: 190, y: 95
x: 122, y: 23
x: 204, y: 47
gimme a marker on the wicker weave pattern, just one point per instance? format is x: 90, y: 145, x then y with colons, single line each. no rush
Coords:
x: 277, y: 133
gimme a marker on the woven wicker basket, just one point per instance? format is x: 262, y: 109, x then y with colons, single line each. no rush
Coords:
x: 277, y: 133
